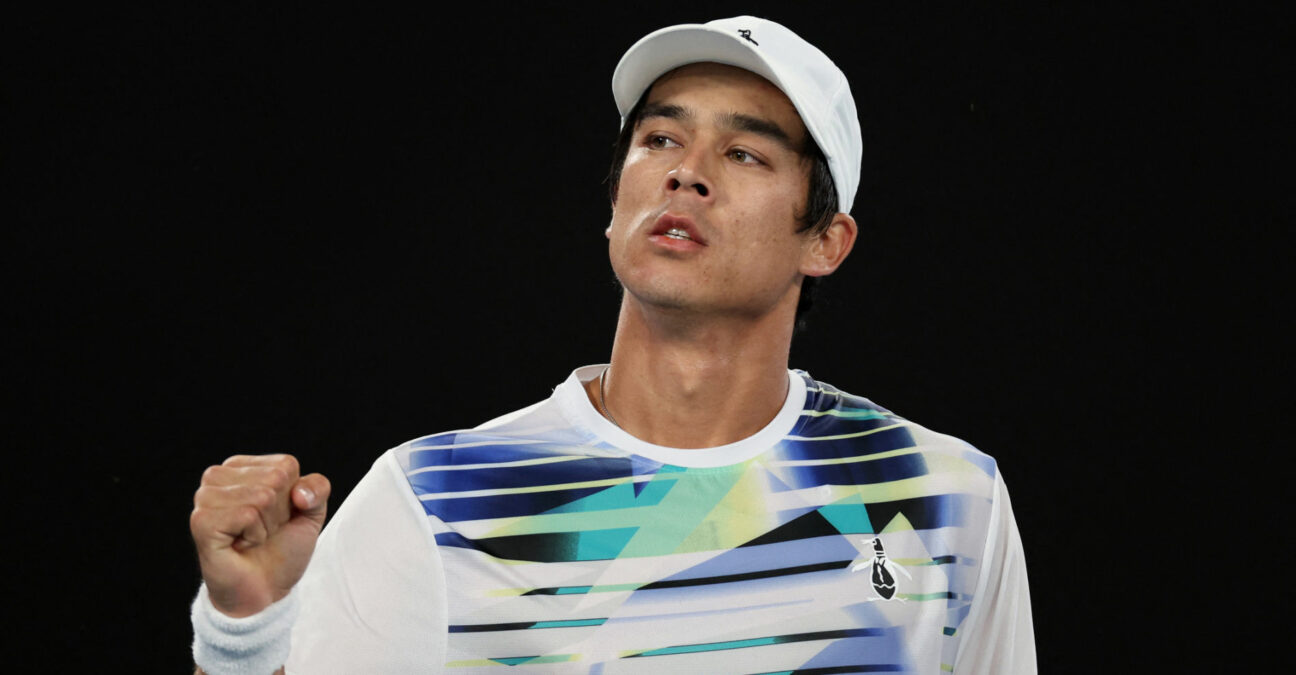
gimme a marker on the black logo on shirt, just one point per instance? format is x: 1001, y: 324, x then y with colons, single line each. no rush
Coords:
x: 882, y: 574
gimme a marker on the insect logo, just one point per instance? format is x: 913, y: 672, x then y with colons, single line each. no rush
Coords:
x: 883, y: 574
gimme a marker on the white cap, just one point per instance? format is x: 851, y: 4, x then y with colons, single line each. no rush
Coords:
x: 814, y: 84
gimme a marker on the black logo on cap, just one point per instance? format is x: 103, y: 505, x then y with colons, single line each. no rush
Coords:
x: 746, y: 35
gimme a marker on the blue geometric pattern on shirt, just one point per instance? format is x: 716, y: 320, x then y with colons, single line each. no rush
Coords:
x: 506, y: 477
x: 602, y: 505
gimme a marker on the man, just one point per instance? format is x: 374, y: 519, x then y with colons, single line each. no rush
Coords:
x: 693, y: 507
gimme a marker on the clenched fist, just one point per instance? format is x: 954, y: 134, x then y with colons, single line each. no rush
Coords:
x: 255, y: 522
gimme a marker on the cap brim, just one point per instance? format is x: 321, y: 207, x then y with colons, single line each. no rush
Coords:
x: 669, y: 48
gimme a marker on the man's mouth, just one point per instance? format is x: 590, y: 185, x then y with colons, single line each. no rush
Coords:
x: 678, y: 228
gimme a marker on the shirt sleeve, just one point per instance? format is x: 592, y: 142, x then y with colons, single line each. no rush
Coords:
x: 372, y: 599
x: 999, y: 635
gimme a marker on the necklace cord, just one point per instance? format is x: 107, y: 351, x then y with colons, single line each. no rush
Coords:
x: 603, y: 399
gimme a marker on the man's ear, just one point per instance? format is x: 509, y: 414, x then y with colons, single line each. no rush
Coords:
x: 824, y: 253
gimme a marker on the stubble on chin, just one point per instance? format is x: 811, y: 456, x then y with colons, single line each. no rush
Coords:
x: 661, y: 294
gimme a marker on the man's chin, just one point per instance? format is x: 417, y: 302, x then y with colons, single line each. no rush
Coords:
x: 665, y: 299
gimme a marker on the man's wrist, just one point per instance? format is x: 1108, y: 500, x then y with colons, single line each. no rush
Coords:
x: 251, y: 645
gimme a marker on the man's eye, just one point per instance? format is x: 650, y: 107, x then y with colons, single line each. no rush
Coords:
x: 659, y: 142
x: 743, y: 157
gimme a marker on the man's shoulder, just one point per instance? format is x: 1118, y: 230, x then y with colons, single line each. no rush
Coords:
x: 517, y: 435
x: 833, y: 413
x: 505, y: 421
x: 825, y: 399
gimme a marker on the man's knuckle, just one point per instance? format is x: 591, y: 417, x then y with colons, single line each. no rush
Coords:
x: 211, y: 473
x: 289, y: 464
x: 246, y: 516
x: 277, y: 478
x: 262, y: 497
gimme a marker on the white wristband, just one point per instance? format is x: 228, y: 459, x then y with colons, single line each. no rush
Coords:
x: 252, y: 645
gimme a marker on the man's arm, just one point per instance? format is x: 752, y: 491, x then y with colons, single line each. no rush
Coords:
x: 373, y: 599
x: 255, y: 522
x: 1000, y: 633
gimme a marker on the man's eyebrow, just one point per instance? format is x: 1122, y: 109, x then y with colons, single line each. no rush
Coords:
x: 733, y: 121
x: 674, y: 112
x: 759, y: 126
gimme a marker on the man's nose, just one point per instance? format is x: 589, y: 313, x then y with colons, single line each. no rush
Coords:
x: 692, y: 174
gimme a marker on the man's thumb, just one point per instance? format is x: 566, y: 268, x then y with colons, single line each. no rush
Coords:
x: 310, y: 496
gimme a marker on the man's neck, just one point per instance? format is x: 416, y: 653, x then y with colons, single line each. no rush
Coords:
x: 684, y: 382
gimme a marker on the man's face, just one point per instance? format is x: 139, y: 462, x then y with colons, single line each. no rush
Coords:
x: 705, y: 217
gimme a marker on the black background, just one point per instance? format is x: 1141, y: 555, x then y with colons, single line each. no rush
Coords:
x: 236, y: 229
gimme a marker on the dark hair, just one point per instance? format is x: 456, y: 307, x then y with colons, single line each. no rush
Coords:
x: 821, y: 197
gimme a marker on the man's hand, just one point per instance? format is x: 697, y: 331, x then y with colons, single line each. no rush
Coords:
x: 255, y: 522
